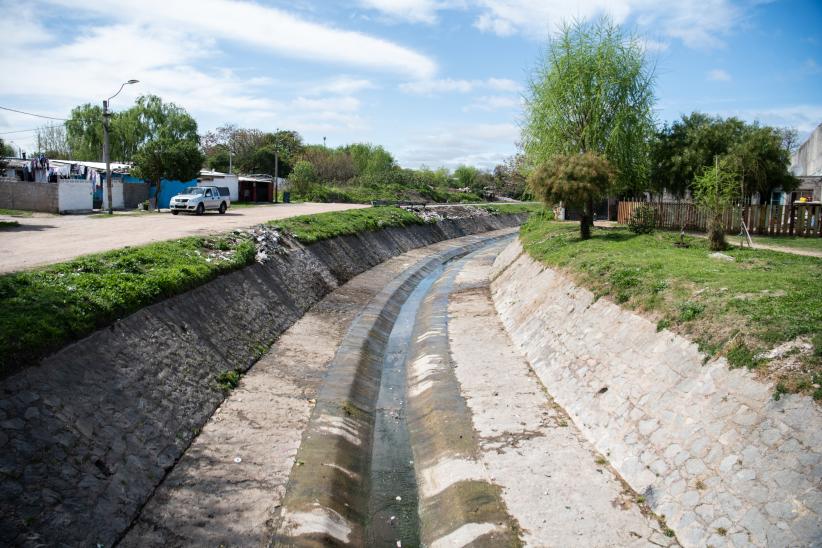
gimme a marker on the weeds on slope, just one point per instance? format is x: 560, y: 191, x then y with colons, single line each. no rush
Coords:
x: 745, y: 309
x: 312, y: 228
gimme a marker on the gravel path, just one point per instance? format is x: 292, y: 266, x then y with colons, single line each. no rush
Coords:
x: 46, y: 239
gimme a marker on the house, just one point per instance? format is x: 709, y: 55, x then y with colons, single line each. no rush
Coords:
x: 216, y: 178
x: 256, y: 188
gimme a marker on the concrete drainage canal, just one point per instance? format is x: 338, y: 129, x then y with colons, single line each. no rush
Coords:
x: 359, y: 465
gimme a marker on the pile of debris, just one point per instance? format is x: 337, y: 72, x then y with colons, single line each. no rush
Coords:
x: 268, y: 241
x: 432, y: 214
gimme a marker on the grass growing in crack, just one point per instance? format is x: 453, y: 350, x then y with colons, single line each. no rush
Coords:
x: 736, y: 309
x: 43, y: 309
x: 228, y: 380
x: 602, y: 461
x: 4, y: 225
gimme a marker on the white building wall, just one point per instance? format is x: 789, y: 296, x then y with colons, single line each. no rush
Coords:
x: 116, y: 195
x: 808, y: 159
x: 231, y: 181
x: 74, y: 196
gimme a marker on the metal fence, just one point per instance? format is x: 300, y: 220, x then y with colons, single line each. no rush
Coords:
x: 797, y: 219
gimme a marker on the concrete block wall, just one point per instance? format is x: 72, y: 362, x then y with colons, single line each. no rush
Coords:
x: 28, y: 196
x: 134, y: 194
x: 707, y: 446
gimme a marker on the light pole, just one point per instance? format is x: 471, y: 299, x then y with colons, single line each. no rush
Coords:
x: 105, y: 141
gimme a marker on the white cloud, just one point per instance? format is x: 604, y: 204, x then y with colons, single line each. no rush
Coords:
x: 654, y: 46
x: 448, y: 85
x: 480, y: 145
x: 342, y: 85
x: 698, y: 24
x: 719, y: 75
x: 803, y: 118
x: 264, y: 27
x: 489, y: 103
x: 412, y: 11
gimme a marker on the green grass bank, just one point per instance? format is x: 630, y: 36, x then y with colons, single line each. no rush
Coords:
x: 738, y: 308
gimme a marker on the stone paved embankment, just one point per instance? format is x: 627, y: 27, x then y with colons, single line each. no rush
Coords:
x: 87, y: 435
x: 708, y: 447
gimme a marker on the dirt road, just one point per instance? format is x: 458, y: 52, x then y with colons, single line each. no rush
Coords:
x: 45, y: 239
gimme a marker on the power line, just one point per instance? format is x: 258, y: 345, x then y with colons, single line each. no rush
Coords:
x: 18, y: 131
x: 32, y: 114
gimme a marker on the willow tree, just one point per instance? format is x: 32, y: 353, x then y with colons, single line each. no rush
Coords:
x: 575, y: 179
x: 592, y: 91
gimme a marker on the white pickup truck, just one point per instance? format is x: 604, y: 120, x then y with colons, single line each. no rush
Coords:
x: 198, y: 199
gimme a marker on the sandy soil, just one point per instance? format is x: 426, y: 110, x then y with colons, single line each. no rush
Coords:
x: 44, y: 239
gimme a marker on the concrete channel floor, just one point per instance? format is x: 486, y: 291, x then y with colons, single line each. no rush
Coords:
x: 553, y: 482
x: 227, y: 488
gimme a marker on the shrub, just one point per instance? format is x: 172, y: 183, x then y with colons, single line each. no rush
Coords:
x: 643, y: 220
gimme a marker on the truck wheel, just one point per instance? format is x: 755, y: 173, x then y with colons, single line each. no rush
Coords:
x: 200, y: 209
x: 222, y: 208
x: 174, y: 212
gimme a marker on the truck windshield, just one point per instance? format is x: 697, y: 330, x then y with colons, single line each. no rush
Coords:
x: 192, y: 190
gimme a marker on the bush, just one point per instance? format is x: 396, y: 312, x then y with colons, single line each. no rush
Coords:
x: 643, y: 220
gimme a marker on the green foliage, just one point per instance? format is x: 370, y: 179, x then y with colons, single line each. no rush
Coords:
x: 311, y: 228
x: 167, y: 159
x: 5, y: 150
x: 682, y: 150
x: 738, y: 309
x: 303, y: 177
x: 467, y: 176
x: 643, y: 220
x: 149, y: 119
x: 576, y: 180
x: 593, y: 92
x: 43, y: 309
x: 715, y: 190
x: 8, y: 224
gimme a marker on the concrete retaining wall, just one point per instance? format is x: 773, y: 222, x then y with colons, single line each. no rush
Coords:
x: 708, y: 447
x: 28, y: 196
x: 87, y: 435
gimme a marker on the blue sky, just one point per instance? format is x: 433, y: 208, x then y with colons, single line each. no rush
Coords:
x: 437, y: 82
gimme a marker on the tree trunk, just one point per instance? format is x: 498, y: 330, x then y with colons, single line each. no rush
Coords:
x: 587, y: 220
x: 716, y: 234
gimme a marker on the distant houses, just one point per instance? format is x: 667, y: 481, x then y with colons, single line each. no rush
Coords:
x: 68, y: 186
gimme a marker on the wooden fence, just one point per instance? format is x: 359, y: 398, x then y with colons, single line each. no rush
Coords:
x: 797, y: 219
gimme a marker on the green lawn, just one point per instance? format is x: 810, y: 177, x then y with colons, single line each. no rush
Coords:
x: 525, y: 207
x: 736, y: 309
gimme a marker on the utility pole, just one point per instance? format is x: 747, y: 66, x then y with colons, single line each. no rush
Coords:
x: 276, y: 174
x: 105, y: 142
x: 105, y: 155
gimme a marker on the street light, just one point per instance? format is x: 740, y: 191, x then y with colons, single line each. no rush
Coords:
x: 105, y: 141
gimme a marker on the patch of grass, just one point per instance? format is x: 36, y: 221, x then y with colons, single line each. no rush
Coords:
x: 312, y: 228
x: 721, y: 531
x: 228, y: 380
x: 4, y: 225
x: 734, y: 308
x: 779, y: 391
x: 739, y: 355
x: 601, y: 461
x: 42, y: 310
x: 365, y: 194
x: 15, y: 212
